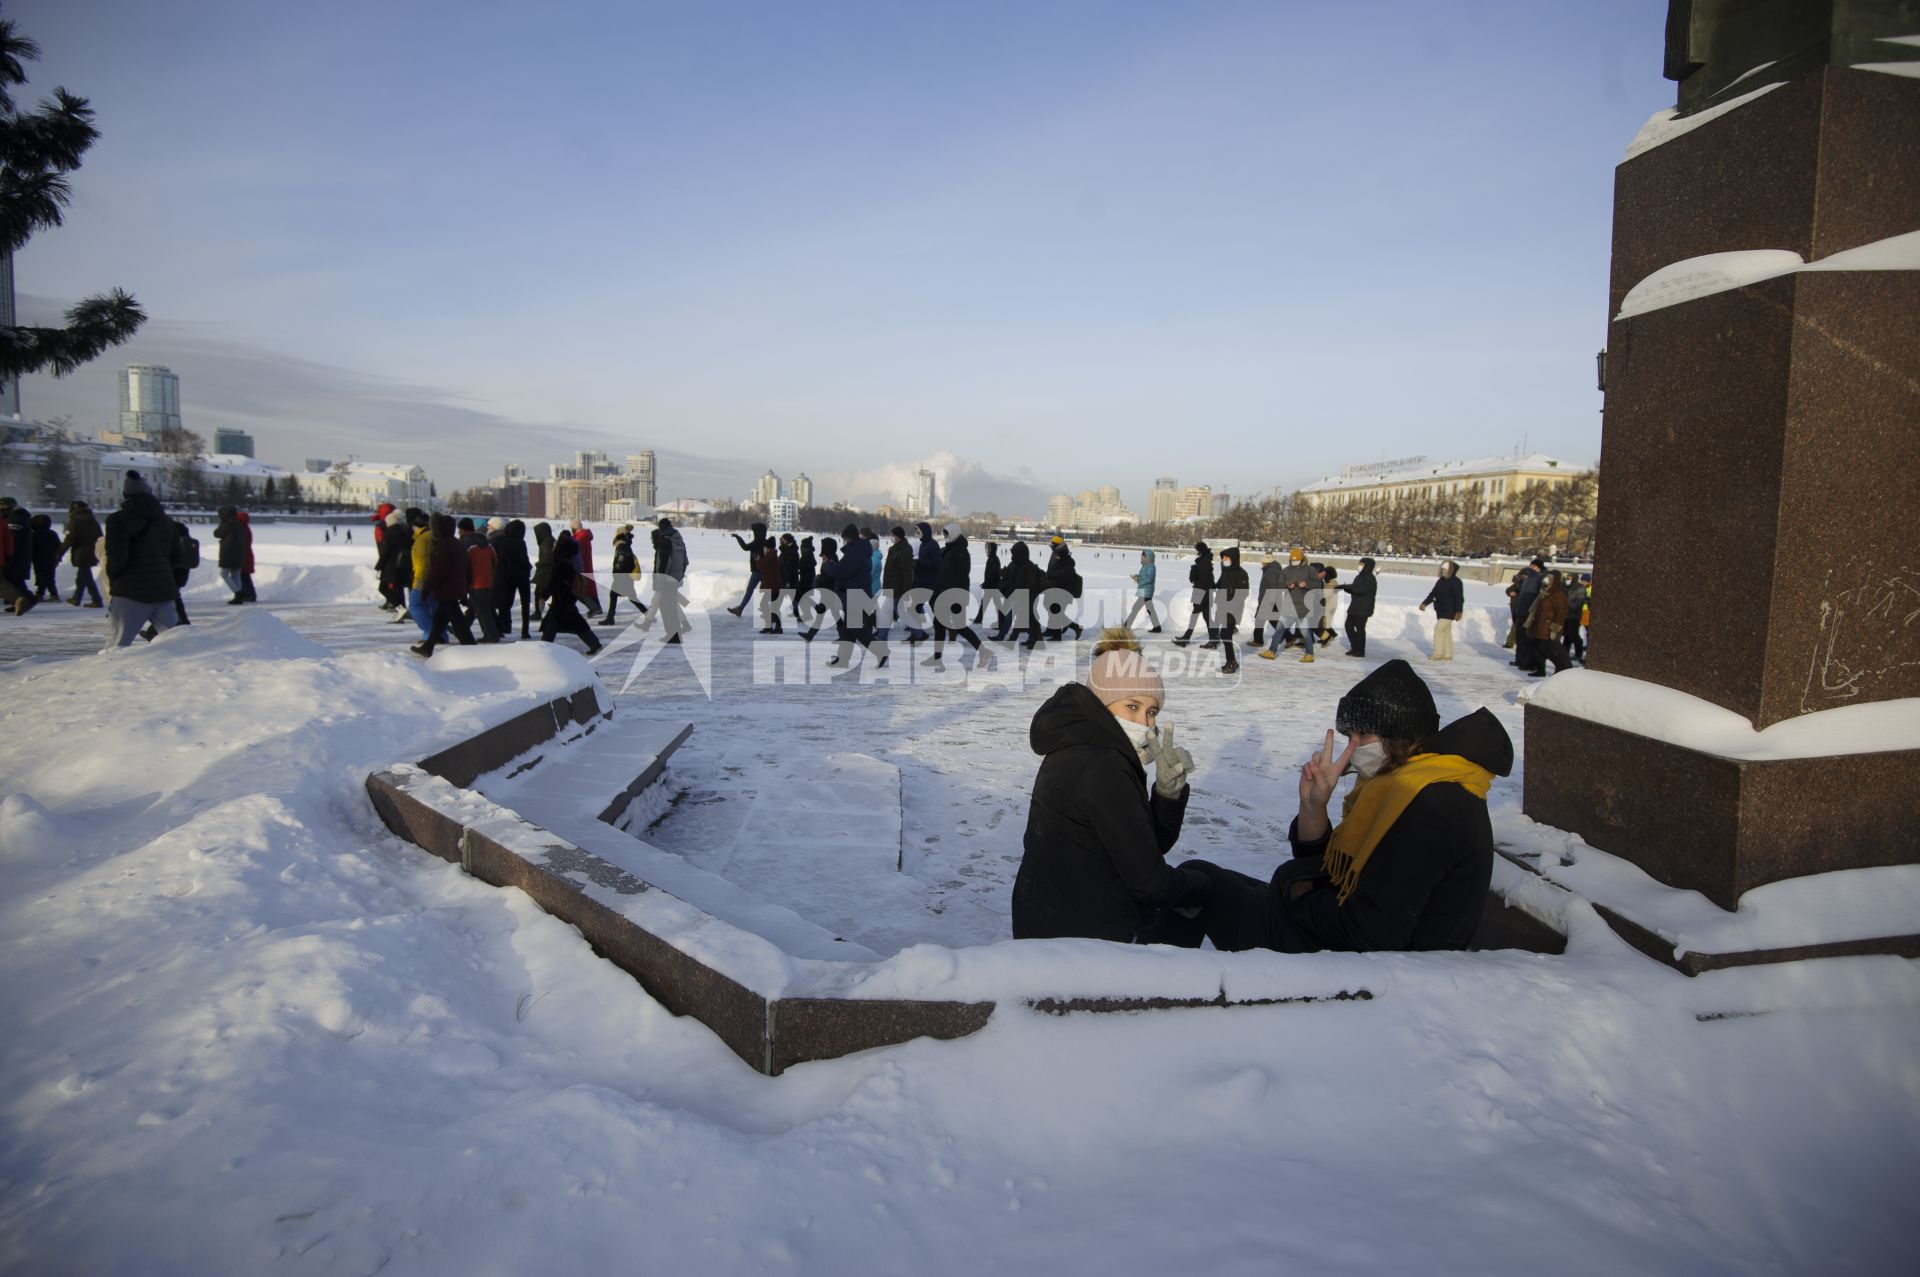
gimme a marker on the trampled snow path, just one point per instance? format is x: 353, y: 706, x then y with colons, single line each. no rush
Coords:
x: 246, y: 1028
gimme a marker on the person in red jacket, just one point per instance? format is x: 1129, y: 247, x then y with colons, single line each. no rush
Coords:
x: 482, y: 563
x: 583, y: 541
x: 391, y: 596
x: 246, y: 575
x: 445, y: 586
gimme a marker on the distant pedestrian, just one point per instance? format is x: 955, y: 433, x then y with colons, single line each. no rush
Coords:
x: 625, y: 583
x: 1143, y: 583
x: 46, y: 559
x: 1546, y: 627
x: 483, y: 571
x: 583, y: 545
x: 542, y: 567
x: 989, y: 585
x: 446, y: 586
x: 754, y: 548
x: 232, y: 560
x: 1064, y: 587
x: 1266, y: 598
x: 513, y: 573
x: 769, y: 571
x: 1578, y: 591
x: 82, y: 546
x: 1232, y: 593
x: 1200, y: 583
x: 669, y: 570
x: 1448, y: 598
x: 565, y: 590
x: 1360, y: 598
x: 954, y: 598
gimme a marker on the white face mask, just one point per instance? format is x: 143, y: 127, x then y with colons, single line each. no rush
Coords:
x: 1138, y: 733
x: 1369, y: 758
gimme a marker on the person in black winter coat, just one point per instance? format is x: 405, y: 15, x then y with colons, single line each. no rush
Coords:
x: 46, y: 558
x: 1408, y: 865
x: 232, y: 560
x: 1063, y: 591
x: 953, y: 598
x: 1360, y: 594
x: 915, y: 606
x: 821, y: 600
x: 544, y: 546
x: 1021, y: 586
x: 562, y: 614
x: 1093, y: 862
x: 626, y: 574
x: 850, y: 577
x: 1232, y: 593
x: 142, y: 552
x: 184, y: 562
x: 754, y: 548
x: 804, y: 580
x: 448, y: 577
x: 1200, y: 577
x: 989, y: 586
x: 790, y: 572
x: 515, y: 573
x: 1448, y: 599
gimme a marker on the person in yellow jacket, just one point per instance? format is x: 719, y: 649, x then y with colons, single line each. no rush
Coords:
x: 1409, y: 863
x: 419, y: 606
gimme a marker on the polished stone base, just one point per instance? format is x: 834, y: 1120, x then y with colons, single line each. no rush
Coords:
x: 1715, y: 825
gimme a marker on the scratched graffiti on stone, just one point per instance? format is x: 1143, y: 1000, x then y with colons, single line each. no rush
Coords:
x: 1867, y: 633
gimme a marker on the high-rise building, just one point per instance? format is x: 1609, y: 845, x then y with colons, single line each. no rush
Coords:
x: 1060, y: 511
x: 643, y: 479
x: 925, y: 499
x: 149, y: 399
x: 228, y: 442
x: 1194, y: 502
x: 767, y: 491
x: 801, y: 490
x: 1222, y: 503
x: 1161, y: 501
x: 783, y: 515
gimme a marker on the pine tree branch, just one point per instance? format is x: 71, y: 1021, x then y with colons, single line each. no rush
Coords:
x: 92, y: 326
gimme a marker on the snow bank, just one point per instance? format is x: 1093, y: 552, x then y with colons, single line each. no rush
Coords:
x: 1648, y: 709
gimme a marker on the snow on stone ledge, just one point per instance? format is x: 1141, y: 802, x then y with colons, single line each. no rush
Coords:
x: 1664, y: 714
x: 1703, y: 276
x: 1662, y: 127
x: 1711, y: 273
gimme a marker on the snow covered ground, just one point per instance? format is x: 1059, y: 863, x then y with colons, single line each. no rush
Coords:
x: 247, y: 1028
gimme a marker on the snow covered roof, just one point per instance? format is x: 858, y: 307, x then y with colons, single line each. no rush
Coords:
x: 1421, y: 470
x: 231, y: 463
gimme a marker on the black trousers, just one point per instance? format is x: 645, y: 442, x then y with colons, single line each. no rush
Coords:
x: 449, y: 616
x: 1357, y: 634
x: 1240, y: 913
x: 942, y: 631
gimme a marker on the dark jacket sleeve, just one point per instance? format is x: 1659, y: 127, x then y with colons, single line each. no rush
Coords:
x: 1136, y: 847
x: 1394, y: 888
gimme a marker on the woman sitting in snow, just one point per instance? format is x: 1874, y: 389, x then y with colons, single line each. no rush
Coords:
x: 1097, y: 838
x: 1409, y: 863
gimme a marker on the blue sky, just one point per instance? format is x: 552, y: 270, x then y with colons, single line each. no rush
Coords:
x: 1056, y: 244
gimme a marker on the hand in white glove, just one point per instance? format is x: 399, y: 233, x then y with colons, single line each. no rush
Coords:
x: 1171, y: 764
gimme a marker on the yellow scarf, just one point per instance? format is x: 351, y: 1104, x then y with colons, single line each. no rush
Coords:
x: 1374, y: 804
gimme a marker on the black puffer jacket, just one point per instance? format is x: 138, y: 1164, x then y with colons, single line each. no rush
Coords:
x: 142, y: 551
x: 1096, y: 844
x: 516, y: 568
x: 1200, y: 575
x: 1426, y: 882
x: 624, y: 562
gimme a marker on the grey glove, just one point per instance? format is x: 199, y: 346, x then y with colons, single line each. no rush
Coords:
x: 1171, y: 764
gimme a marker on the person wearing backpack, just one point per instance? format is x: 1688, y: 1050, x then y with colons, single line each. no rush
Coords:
x: 143, y: 556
